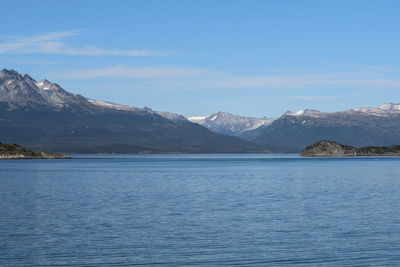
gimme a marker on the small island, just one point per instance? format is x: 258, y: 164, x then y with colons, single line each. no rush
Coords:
x: 15, y: 151
x: 327, y: 148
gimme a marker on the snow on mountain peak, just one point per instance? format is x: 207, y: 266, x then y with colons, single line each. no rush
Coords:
x: 214, y: 117
x: 304, y: 112
x: 197, y: 119
x: 44, y: 84
x: 226, y: 123
x: 111, y: 105
x: 382, y: 110
x: 23, y: 90
x: 390, y: 107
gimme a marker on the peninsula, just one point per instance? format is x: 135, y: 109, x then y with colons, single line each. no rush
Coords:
x: 327, y: 148
x: 15, y: 151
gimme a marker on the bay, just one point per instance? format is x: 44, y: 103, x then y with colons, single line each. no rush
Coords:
x: 185, y: 210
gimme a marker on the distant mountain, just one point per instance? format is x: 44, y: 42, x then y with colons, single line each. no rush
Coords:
x: 173, y: 117
x: 229, y: 124
x: 304, y: 112
x: 378, y: 126
x: 44, y: 116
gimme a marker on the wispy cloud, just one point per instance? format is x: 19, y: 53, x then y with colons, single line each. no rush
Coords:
x: 287, y: 70
x: 148, y: 72
x: 200, y: 78
x: 311, y: 97
x: 32, y: 62
x: 303, y: 82
x: 54, y: 43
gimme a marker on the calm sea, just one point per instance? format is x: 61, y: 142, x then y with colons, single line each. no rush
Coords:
x: 243, y: 210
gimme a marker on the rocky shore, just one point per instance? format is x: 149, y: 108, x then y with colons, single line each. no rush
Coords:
x: 15, y: 151
x: 327, y: 148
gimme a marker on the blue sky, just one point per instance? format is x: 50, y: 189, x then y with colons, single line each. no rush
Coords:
x: 255, y: 58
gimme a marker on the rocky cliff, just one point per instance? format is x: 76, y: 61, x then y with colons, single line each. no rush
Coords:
x: 19, y: 152
x: 326, y: 148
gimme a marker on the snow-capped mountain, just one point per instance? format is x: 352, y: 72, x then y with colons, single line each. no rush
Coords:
x: 304, y: 112
x: 229, y: 124
x: 367, y: 126
x: 23, y: 91
x: 382, y: 110
x: 271, y: 132
x: 44, y: 116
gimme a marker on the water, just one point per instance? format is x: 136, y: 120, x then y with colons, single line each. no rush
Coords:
x: 244, y: 210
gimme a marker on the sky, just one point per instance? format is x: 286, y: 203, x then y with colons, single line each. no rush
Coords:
x: 251, y: 58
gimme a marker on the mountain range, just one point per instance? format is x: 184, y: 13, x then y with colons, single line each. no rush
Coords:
x: 293, y: 131
x: 378, y: 126
x: 229, y: 124
x: 43, y: 116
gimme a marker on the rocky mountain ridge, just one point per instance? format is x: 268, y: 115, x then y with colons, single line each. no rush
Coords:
x: 377, y: 126
x: 23, y: 91
x: 44, y: 116
x: 230, y: 124
x: 291, y: 132
x: 257, y: 129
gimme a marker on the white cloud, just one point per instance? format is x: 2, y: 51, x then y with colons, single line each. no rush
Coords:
x: 148, y: 72
x: 279, y: 82
x: 53, y: 43
x: 311, y: 97
x: 199, y: 78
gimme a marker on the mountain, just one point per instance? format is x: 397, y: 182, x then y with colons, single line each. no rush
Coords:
x: 304, y: 112
x: 21, y: 91
x: 229, y: 124
x: 376, y: 126
x: 173, y: 117
x: 43, y: 116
